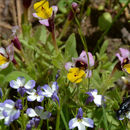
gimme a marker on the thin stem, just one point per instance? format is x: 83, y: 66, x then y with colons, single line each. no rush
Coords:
x: 54, y: 40
x: 63, y: 118
x: 25, y: 15
x: 64, y: 29
x: 47, y: 124
x: 81, y: 35
x: 58, y: 117
x: 109, y: 27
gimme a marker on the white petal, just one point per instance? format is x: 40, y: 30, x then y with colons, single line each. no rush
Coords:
x: 14, y: 84
x: 87, y: 122
x: 3, y: 52
x: 73, y: 123
x: 31, y: 98
x: 98, y: 100
x: 30, y: 84
x: 20, y: 81
x: 31, y: 113
x: 81, y: 126
x: 3, y: 66
x: 128, y: 115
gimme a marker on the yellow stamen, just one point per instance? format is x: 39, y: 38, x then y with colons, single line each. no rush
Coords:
x: 43, y: 10
x: 127, y: 68
x: 75, y: 75
x: 3, y: 60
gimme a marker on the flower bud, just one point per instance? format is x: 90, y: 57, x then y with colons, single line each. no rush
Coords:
x: 74, y: 10
x: 27, y: 3
x: 16, y: 43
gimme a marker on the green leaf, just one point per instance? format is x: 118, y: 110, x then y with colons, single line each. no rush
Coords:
x: 62, y: 6
x: 1, y: 79
x: 70, y: 48
x: 15, y: 74
x: 105, y: 20
x: 40, y: 34
x: 104, y: 47
x: 123, y: 1
x: 7, y: 70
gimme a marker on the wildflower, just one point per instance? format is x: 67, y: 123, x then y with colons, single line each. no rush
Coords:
x: 124, y: 58
x: 124, y: 110
x: 45, y: 14
x: 36, y: 114
x: 74, y: 10
x: 51, y: 92
x: 80, y: 64
x: 10, y: 110
x: 94, y: 97
x: 6, y: 56
x: 14, y: 38
x: 75, y: 75
x: 21, y: 86
x: 35, y: 95
x: 80, y: 121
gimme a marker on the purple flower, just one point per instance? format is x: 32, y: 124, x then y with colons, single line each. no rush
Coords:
x: 82, y: 62
x: 51, y: 91
x: 80, y: 121
x: 124, y: 58
x: 6, y: 56
x: 35, y: 95
x: 10, y: 110
x: 94, y: 97
x: 21, y: 86
x: 73, y: 11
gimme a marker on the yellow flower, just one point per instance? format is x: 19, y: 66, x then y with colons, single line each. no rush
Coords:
x: 43, y: 10
x: 75, y: 75
x: 3, y: 60
x: 126, y: 67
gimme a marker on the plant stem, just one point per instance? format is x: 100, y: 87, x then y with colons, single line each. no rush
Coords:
x: 109, y: 27
x: 63, y: 118
x: 64, y: 29
x: 58, y: 117
x: 47, y: 124
x: 54, y: 40
x: 81, y: 35
x: 25, y: 16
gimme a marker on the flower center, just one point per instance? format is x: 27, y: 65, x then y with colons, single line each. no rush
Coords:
x: 82, y: 65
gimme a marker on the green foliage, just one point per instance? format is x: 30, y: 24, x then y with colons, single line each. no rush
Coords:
x: 15, y: 74
x: 105, y: 20
x: 70, y: 48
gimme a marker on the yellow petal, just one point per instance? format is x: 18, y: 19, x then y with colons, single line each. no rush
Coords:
x: 127, y: 68
x: 45, y: 14
x: 39, y: 4
x: 75, y: 75
x: 3, y: 60
x: 43, y: 10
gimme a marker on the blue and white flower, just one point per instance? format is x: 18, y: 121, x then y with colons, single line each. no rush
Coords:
x: 36, y: 114
x: 94, y: 97
x: 80, y: 121
x: 51, y: 91
x: 35, y: 95
x: 10, y: 111
x: 21, y: 86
